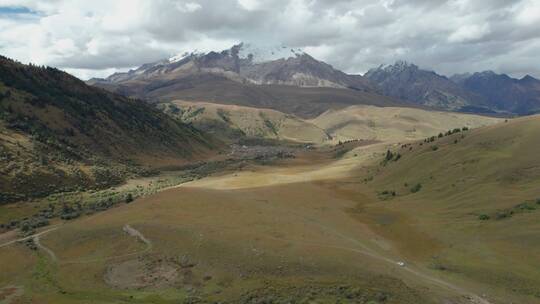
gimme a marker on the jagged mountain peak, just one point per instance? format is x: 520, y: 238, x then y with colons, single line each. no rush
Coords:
x: 407, y: 81
x: 528, y: 78
x: 400, y: 66
x: 247, y: 63
x: 487, y: 73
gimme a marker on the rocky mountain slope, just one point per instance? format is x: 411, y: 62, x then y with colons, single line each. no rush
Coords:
x: 57, y: 133
x: 407, y: 81
x: 484, y: 92
x: 246, y: 64
x: 503, y: 93
x: 284, y: 79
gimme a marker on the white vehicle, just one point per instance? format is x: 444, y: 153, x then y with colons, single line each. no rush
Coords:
x: 401, y: 264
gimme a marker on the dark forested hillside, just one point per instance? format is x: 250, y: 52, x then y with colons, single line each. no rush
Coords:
x: 57, y: 130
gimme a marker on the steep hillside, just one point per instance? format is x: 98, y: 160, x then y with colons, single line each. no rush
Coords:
x: 237, y: 122
x: 476, y: 195
x: 406, y: 81
x: 57, y: 133
x: 393, y: 124
x: 503, y: 93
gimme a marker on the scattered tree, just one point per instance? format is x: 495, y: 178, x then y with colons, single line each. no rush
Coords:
x: 416, y: 188
x: 483, y: 217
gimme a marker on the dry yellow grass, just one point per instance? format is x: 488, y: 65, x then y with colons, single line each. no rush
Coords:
x: 252, y: 122
x: 393, y: 124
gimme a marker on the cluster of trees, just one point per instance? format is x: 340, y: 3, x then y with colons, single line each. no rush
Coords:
x: 447, y: 133
x: 391, y: 156
x: 507, y: 213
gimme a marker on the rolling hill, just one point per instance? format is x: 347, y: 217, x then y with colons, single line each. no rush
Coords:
x: 475, y: 195
x: 235, y: 122
x: 59, y: 134
x: 393, y: 124
x: 370, y: 123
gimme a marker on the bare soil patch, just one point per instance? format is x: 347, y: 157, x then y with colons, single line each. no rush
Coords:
x: 9, y: 293
x: 142, y: 273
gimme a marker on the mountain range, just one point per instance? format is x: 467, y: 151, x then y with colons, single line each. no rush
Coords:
x: 292, y: 81
x: 482, y: 92
x: 503, y: 93
x: 287, y: 80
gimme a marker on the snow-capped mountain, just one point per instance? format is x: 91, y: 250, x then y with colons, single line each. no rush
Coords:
x: 260, y: 54
x: 247, y: 63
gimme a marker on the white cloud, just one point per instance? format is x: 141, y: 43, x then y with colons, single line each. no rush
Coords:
x: 93, y: 38
x: 468, y: 33
x: 249, y: 4
x: 529, y: 13
x: 188, y: 7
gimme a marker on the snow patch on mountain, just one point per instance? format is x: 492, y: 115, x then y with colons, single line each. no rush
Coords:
x: 260, y: 54
x: 180, y: 56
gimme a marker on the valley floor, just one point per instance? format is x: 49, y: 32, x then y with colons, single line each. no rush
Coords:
x: 306, y: 230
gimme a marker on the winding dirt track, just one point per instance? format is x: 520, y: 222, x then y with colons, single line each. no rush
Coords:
x: 131, y: 232
x: 33, y: 236
x: 47, y: 250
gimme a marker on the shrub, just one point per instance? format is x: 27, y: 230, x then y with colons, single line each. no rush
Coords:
x: 434, y: 148
x: 397, y: 157
x: 465, y: 129
x: 416, y: 188
x: 70, y: 216
x: 483, y: 217
x: 389, y: 155
x: 440, y: 135
x: 538, y: 201
x: 526, y: 207
x: 504, y: 214
x: 129, y: 198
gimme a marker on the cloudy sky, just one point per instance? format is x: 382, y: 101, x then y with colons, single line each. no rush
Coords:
x: 99, y: 37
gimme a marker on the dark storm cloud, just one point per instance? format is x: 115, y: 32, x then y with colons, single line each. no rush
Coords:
x: 451, y: 36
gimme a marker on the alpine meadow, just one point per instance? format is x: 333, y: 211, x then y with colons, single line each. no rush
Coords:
x: 270, y: 152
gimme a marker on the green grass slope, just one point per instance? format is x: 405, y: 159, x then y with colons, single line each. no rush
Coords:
x: 236, y: 122
x: 475, y: 194
x: 56, y: 132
